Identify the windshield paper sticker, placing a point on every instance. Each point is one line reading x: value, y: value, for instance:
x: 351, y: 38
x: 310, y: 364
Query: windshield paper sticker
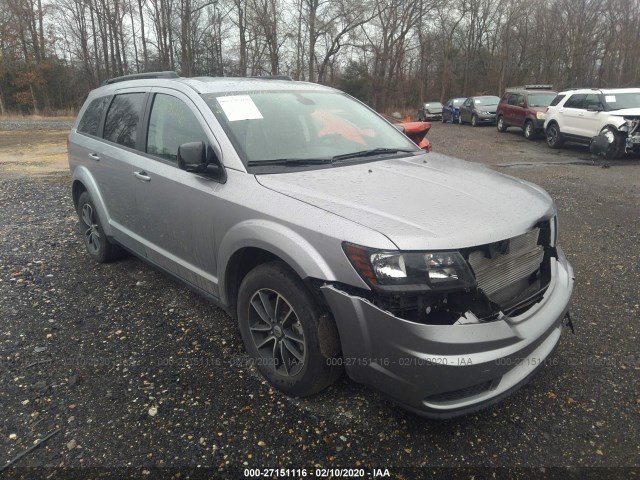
x: 239, y: 107
x: 610, y: 98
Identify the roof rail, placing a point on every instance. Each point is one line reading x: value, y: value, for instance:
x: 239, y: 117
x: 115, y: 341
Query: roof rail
x: 538, y: 87
x: 272, y: 77
x: 141, y: 76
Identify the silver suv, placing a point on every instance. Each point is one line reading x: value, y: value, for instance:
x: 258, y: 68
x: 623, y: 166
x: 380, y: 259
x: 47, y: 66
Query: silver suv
x: 333, y: 239
x: 581, y: 114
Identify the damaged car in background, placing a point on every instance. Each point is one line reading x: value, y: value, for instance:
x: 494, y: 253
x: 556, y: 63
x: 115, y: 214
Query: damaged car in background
x: 334, y: 240
x: 579, y: 115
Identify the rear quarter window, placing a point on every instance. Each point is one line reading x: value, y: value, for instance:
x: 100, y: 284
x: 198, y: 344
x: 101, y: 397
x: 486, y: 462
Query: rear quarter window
x: 90, y: 121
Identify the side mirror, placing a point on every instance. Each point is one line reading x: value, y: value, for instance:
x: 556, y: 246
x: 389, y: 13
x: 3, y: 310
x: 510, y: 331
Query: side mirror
x: 596, y: 107
x: 195, y: 157
x: 522, y: 105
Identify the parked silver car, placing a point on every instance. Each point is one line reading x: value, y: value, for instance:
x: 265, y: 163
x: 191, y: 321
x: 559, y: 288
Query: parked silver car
x: 332, y: 238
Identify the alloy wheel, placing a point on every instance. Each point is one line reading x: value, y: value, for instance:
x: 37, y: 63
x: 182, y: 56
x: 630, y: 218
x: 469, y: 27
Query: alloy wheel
x: 276, y: 332
x: 91, y: 234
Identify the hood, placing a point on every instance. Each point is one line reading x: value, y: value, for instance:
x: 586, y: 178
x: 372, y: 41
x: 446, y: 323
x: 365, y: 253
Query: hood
x: 430, y: 201
x: 626, y: 112
x: 488, y: 108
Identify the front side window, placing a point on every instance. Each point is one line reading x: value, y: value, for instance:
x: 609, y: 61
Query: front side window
x: 123, y: 117
x: 90, y: 122
x: 541, y: 99
x: 302, y: 126
x: 171, y: 124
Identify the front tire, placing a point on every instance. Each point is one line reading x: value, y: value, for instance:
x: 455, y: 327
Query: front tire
x: 553, y: 136
x: 95, y: 240
x: 474, y: 120
x: 616, y: 143
x: 529, y: 130
x: 501, y: 125
x: 291, y: 340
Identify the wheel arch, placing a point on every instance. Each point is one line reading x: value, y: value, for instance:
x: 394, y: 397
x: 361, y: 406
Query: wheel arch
x: 83, y: 181
x: 252, y: 243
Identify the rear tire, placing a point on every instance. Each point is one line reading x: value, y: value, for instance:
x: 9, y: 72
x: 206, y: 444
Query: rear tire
x: 95, y: 240
x: 291, y: 340
x: 529, y: 130
x: 553, y: 136
x: 500, y: 125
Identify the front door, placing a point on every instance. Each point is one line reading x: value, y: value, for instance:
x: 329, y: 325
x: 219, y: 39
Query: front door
x: 177, y: 208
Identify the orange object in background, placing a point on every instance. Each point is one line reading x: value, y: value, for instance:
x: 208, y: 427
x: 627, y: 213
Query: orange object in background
x: 417, y: 131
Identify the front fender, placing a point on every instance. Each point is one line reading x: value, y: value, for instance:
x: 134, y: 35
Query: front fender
x: 81, y: 174
x: 277, y: 239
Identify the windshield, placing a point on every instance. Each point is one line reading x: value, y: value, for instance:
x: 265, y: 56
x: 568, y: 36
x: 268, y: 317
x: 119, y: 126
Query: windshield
x: 433, y: 105
x: 486, y: 100
x: 541, y: 99
x: 270, y: 126
x: 458, y: 101
x: 618, y: 101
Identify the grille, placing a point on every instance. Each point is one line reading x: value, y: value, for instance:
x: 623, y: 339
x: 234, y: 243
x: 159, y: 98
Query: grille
x: 502, y: 269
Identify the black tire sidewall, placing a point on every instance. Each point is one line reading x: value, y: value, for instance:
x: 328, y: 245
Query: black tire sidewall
x: 317, y: 371
x: 528, y: 126
x: 103, y: 253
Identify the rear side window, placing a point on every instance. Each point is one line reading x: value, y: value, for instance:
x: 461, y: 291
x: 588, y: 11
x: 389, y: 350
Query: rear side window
x: 575, y: 101
x: 90, y: 121
x: 171, y: 124
x: 516, y: 99
x: 556, y: 100
x: 123, y: 117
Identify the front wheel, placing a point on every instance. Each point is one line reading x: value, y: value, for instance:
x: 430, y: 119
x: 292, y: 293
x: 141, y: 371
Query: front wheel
x: 501, y: 125
x: 616, y: 143
x: 474, y: 120
x: 289, y: 338
x: 553, y: 136
x: 529, y: 130
x: 459, y: 119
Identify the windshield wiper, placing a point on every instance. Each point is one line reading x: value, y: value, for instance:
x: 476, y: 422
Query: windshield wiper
x: 287, y: 162
x: 371, y: 153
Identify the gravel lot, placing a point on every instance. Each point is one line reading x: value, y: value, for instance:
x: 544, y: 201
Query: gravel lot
x: 130, y: 369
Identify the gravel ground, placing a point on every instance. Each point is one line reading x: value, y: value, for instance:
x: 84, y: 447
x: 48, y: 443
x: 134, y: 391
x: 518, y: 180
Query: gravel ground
x: 130, y: 369
x: 30, y: 124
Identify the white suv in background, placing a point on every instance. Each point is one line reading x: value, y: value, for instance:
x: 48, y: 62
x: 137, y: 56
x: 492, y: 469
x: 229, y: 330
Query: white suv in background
x: 581, y: 114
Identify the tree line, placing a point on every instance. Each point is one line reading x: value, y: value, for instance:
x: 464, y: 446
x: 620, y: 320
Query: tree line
x: 389, y: 53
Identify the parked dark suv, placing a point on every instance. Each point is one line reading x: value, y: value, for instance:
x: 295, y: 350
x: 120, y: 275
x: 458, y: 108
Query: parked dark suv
x: 524, y: 107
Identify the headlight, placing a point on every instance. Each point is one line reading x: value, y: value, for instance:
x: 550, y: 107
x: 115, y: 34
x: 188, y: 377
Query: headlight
x: 539, y: 115
x: 486, y: 113
x: 413, y: 270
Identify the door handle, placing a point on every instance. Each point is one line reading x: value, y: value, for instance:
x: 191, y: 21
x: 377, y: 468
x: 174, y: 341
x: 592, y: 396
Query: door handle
x: 142, y: 176
x: 94, y: 156
x: 581, y: 114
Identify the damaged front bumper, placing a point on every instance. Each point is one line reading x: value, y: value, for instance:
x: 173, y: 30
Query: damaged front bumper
x: 443, y: 371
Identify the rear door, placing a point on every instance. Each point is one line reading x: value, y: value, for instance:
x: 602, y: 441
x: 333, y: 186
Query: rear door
x: 571, y: 114
x: 466, y: 109
x: 518, y: 112
x: 113, y: 168
x: 177, y: 209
